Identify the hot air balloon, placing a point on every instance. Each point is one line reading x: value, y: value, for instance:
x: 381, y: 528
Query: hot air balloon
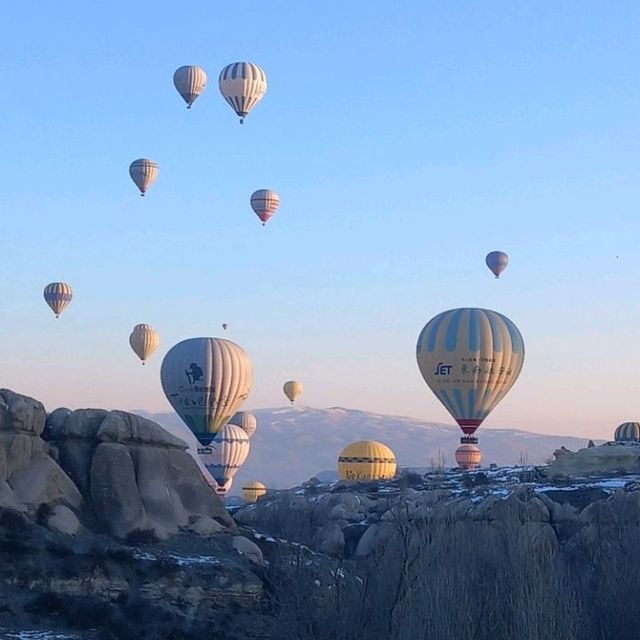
x: 468, y: 456
x: 144, y: 173
x: 628, y: 432
x: 246, y: 421
x: 253, y: 491
x: 225, y: 454
x: 293, y: 390
x: 497, y: 261
x: 242, y: 85
x: 265, y: 203
x: 190, y: 81
x: 144, y: 341
x: 224, y: 325
x: 206, y: 380
x: 58, y: 295
x: 367, y: 460
x: 470, y: 358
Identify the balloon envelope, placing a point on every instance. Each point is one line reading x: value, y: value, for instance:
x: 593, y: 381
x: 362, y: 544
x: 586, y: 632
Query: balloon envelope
x: 470, y: 358
x: 246, y: 421
x: 265, y: 203
x: 468, y: 456
x: 58, y: 295
x: 242, y: 85
x: 292, y: 389
x: 190, y: 81
x: 628, y: 432
x: 144, y: 173
x: 144, y: 341
x: 226, y: 453
x: 206, y: 380
x: 253, y: 491
x: 367, y: 460
x: 497, y: 261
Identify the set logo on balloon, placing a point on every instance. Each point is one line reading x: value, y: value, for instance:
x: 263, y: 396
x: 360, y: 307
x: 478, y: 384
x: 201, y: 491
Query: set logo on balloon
x: 443, y: 369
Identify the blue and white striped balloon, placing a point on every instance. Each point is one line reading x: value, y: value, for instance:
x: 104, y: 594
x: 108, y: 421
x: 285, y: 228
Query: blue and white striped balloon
x: 628, y: 432
x: 58, y: 295
x: 243, y: 84
x: 470, y: 358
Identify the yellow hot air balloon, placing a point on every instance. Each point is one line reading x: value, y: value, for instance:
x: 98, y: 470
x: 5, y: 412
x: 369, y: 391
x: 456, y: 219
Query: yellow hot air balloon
x: 293, y: 390
x: 144, y: 341
x: 58, y: 295
x: 144, y: 173
x: 367, y: 460
x: 253, y: 491
x: 470, y: 358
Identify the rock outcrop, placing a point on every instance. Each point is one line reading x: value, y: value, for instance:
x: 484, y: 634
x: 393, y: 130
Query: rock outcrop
x: 134, y: 475
x: 607, y: 459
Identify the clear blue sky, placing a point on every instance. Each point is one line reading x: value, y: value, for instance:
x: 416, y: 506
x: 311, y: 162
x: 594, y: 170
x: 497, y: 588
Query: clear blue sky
x: 406, y: 139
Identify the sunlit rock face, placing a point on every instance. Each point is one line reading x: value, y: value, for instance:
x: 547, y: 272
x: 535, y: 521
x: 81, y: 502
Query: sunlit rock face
x: 29, y: 476
x: 133, y: 473
x: 607, y: 459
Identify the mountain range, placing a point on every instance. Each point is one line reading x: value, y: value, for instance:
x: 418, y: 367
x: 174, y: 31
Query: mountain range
x: 294, y: 444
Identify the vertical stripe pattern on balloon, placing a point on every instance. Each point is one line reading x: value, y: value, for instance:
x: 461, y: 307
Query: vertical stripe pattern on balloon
x: 470, y: 358
x: 58, y: 295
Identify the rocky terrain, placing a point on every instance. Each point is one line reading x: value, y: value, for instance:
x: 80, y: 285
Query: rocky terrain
x: 108, y: 529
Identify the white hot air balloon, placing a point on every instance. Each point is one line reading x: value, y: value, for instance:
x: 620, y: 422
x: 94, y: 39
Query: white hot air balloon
x: 265, y: 203
x: 206, y: 380
x: 144, y: 341
x: 144, y: 173
x: 226, y: 453
x: 245, y: 420
x: 190, y: 81
x: 292, y: 389
x: 242, y: 85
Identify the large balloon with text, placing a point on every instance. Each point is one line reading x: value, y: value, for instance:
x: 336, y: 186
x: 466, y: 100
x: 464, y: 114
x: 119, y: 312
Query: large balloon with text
x: 470, y: 358
x: 206, y: 380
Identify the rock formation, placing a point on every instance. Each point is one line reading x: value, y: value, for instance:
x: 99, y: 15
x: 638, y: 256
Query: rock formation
x: 607, y: 459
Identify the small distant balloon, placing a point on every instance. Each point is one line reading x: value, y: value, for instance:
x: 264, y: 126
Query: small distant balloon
x: 190, y: 81
x: 58, y: 295
x: 144, y: 173
x: 225, y: 326
x: 144, y: 341
x: 468, y: 456
x: 293, y: 390
x: 497, y: 261
x: 253, y: 491
x: 246, y: 421
x: 265, y: 203
x: 242, y: 85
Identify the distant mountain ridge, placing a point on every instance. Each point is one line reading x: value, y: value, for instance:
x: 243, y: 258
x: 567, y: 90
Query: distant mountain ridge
x: 293, y: 444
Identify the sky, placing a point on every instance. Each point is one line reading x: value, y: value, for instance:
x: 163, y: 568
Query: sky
x: 406, y: 140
